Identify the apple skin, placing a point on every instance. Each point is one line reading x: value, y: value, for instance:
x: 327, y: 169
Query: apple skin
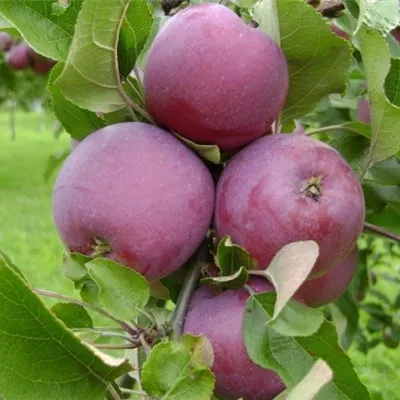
x: 18, y: 57
x: 213, y: 79
x: 330, y: 286
x: 6, y: 41
x: 219, y: 316
x: 139, y: 189
x: 261, y: 203
x: 339, y: 32
x: 363, y: 111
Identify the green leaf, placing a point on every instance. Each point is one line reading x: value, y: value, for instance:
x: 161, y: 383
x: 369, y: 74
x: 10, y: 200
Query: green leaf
x: 385, y: 118
x: 230, y: 257
x: 318, y: 60
x: 234, y: 281
x: 74, y: 269
x: 295, y: 319
x: 319, y: 375
x: 72, y: 315
x: 388, y: 219
x: 209, y: 152
x: 265, y: 13
x: 95, y: 40
x: 352, y: 7
x: 392, y: 82
x: 289, y: 269
x: 345, y: 317
x: 135, y: 30
x: 78, y: 122
x: 54, y: 162
x: 123, y: 292
x: 40, y: 357
x: 380, y: 15
x: 180, y: 370
x: 6, y: 261
x: 387, y: 194
x: 293, y: 357
x: 49, y: 34
x: 386, y: 172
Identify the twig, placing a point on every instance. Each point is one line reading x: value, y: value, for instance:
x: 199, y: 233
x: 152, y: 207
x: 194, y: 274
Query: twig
x: 188, y: 288
x: 381, y: 231
x: 117, y: 346
x: 120, y: 88
x: 114, y: 394
x: 92, y: 307
x: 331, y: 8
x: 143, y: 342
x: 134, y: 392
x: 330, y: 128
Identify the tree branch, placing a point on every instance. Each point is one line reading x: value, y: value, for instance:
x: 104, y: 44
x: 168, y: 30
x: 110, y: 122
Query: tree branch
x: 381, y: 231
x: 328, y: 8
x: 188, y: 288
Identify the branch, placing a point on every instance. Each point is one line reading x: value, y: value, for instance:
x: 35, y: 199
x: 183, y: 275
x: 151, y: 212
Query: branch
x: 188, y: 288
x: 330, y: 8
x: 381, y: 231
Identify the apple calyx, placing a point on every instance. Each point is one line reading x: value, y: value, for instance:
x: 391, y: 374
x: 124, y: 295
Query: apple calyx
x: 312, y: 187
x: 100, y: 248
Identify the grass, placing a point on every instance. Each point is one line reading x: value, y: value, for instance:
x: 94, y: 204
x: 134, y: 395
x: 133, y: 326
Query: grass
x: 28, y: 235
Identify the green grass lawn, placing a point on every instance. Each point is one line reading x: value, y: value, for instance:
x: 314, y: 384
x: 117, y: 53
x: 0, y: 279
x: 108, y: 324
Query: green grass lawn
x: 28, y: 235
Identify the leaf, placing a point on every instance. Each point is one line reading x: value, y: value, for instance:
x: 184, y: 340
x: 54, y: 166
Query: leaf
x: 353, y: 7
x: 40, y: 357
x: 5, y: 260
x: 289, y: 269
x: 385, y: 118
x: 386, y: 172
x: 318, y: 60
x: 95, y: 41
x: 387, y: 194
x: 234, y: 281
x: 293, y: 357
x: 54, y: 162
x: 319, y: 375
x: 49, y: 34
x: 72, y: 315
x: 78, y: 122
x: 265, y: 13
x: 295, y: 319
x: 345, y: 317
x: 209, y: 152
x: 231, y: 257
x: 392, y: 82
x: 135, y: 30
x: 123, y: 292
x: 380, y: 15
x: 180, y: 370
x: 74, y: 269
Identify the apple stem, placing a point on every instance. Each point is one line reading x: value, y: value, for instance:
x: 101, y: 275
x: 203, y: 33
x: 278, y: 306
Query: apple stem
x: 188, y: 288
x: 113, y: 393
x: 381, y: 231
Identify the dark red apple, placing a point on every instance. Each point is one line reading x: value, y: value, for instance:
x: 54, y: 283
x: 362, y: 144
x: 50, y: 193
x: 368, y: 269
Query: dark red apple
x: 287, y: 188
x: 18, y: 57
x: 219, y: 316
x: 6, y: 41
x: 330, y: 286
x: 214, y: 79
x: 136, y: 194
x: 363, y: 111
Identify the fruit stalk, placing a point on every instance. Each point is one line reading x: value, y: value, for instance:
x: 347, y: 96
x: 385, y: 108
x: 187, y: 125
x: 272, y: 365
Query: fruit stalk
x: 188, y: 288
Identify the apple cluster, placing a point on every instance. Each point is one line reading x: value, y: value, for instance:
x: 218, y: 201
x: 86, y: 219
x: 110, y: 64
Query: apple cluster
x: 21, y: 56
x: 135, y: 193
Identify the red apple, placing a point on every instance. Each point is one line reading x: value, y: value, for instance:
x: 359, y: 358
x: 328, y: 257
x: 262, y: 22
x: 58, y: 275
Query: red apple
x: 136, y: 193
x: 213, y: 79
x: 287, y: 188
x: 219, y: 316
